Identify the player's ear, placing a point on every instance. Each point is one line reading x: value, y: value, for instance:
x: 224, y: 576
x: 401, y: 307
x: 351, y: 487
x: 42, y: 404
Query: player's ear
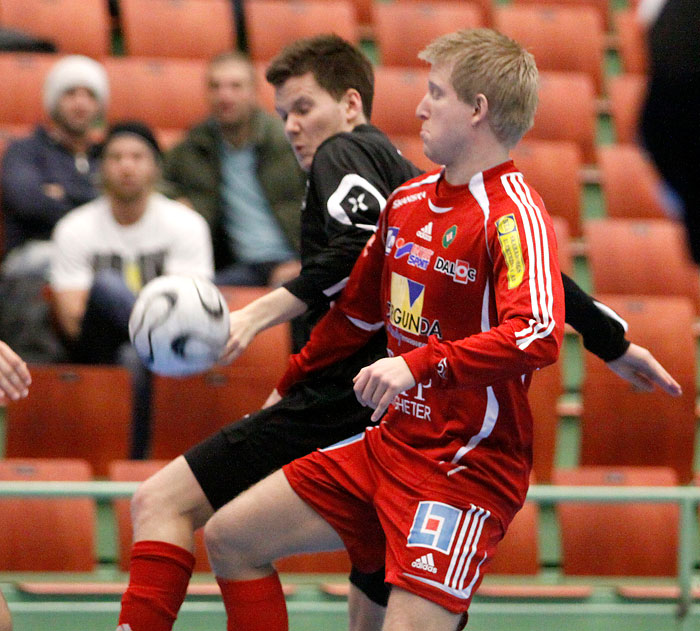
x: 481, y: 108
x: 353, y: 105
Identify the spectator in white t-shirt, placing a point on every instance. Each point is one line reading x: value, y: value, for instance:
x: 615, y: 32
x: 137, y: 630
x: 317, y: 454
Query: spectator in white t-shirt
x: 107, y: 249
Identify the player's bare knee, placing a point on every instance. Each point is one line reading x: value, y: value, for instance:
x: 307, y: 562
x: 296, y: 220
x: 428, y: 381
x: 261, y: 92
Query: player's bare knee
x: 222, y: 541
x: 150, y: 502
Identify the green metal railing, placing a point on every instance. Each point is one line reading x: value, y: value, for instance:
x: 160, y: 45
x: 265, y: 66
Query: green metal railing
x: 687, y: 498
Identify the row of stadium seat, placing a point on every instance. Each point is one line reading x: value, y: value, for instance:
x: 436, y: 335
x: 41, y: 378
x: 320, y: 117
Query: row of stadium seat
x: 631, y: 539
x: 567, y: 33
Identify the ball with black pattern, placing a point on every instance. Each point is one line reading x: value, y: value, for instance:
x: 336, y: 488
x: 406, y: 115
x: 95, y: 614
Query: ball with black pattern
x: 179, y: 325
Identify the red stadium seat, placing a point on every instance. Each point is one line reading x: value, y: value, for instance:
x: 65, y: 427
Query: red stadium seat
x: 621, y: 426
x: 72, y: 412
x: 564, y: 39
x: 618, y: 539
x: 566, y: 111
x: 403, y: 29
x: 553, y: 169
x: 626, y: 97
x: 641, y: 256
x: 397, y: 94
x: 272, y: 24
x: 631, y: 42
x: 22, y: 76
x: 73, y: 26
x: 42, y: 534
x: 602, y: 7
x: 185, y: 411
x: 193, y: 29
x: 137, y: 471
x: 160, y: 92
x: 620, y: 165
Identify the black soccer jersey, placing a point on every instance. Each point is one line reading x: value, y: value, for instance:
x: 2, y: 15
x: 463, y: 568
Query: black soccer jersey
x: 351, y: 176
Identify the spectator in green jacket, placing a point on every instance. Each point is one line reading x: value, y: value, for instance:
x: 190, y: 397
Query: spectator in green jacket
x: 237, y: 169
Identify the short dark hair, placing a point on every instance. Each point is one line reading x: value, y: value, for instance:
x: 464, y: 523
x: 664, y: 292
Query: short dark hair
x: 336, y: 65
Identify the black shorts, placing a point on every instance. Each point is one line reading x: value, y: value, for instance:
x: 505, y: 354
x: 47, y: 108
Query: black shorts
x: 314, y: 414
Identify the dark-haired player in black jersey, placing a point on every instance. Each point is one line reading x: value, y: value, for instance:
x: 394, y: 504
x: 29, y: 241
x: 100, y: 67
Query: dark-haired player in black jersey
x: 323, y: 92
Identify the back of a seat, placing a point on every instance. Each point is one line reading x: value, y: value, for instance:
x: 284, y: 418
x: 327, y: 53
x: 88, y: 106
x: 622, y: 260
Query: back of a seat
x: 403, y: 29
x: 564, y: 39
x: 73, y: 411
x: 22, y: 76
x: 398, y: 91
x: 621, y: 425
x: 618, y: 539
x: 272, y: 24
x: 195, y: 29
x: 73, y: 26
x: 47, y: 534
x: 566, y: 111
x: 626, y: 94
x: 641, y: 256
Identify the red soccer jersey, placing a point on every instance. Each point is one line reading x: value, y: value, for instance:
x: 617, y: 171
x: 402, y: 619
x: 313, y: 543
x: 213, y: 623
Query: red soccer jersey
x: 471, y: 297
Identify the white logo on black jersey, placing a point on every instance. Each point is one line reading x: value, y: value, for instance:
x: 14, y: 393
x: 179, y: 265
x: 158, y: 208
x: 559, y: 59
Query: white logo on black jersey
x: 356, y: 202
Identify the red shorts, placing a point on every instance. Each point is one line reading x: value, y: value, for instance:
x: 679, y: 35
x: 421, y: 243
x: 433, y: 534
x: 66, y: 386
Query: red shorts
x: 431, y: 545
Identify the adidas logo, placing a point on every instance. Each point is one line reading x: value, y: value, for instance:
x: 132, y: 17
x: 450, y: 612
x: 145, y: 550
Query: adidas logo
x: 426, y: 232
x: 426, y: 562
x: 124, y: 627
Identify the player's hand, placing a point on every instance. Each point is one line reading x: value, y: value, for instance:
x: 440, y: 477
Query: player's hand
x: 241, y: 331
x: 641, y: 369
x: 272, y: 399
x: 14, y: 374
x: 377, y: 385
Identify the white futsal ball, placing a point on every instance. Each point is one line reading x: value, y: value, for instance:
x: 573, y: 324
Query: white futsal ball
x: 179, y: 325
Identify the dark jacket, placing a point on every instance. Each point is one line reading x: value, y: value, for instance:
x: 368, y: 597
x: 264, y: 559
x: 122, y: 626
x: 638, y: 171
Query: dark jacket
x: 28, y: 165
x: 192, y: 169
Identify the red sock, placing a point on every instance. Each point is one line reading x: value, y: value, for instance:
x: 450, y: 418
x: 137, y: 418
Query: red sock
x: 255, y: 605
x: 159, y: 574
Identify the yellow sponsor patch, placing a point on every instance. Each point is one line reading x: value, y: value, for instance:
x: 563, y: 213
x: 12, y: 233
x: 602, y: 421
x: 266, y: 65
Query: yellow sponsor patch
x: 509, y: 239
x: 132, y: 276
x: 406, y: 306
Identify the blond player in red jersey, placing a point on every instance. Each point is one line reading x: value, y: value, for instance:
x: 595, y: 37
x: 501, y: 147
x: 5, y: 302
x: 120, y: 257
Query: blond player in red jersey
x: 463, y: 275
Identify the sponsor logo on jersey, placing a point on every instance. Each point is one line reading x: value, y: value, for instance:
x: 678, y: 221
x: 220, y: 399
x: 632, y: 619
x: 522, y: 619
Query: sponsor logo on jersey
x: 425, y: 562
x: 356, y: 202
x: 414, y: 404
x: 420, y: 256
x: 407, y: 199
x: 509, y: 239
x: 402, y: 248
x: 391, y: 234
x: 460, y: 271
x: 406, y: 307
x: 434, y: 526
x: 426, y: 232
x: 449, y: 236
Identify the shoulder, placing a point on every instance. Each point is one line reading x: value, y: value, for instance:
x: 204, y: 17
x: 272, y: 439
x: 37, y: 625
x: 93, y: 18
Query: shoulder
x: 81, y: 220
x: 202, y: 136
x: 509, y: 191
x: 176, y: 214
x: 36, y: 141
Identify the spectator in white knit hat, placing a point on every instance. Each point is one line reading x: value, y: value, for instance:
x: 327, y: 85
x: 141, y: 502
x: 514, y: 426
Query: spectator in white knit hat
x: 43, y: 177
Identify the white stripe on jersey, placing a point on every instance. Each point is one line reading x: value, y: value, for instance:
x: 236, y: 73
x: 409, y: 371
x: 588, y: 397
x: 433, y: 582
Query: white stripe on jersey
x: 539, y: 276
x: 489, y: 422
x: 478, y: 190
x: 426, y: 180
x: 365, y: 326
x: 334, y: 289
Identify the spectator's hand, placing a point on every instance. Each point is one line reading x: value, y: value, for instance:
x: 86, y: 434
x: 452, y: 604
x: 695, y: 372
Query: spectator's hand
x: 272, y: 399
x: 640, y: 368
x: 284, y: 272
x: 14, y: 375
x: 241, y: 331
x: 377, y: 385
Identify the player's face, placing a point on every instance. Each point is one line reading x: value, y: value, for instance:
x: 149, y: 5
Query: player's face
x: 310, y: 115
x: 445, y: 131
x: 231, y: 92
x: 129, y: 168
x: 76, y: 111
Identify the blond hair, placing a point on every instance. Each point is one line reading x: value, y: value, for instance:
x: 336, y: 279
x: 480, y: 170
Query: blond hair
x: 489, y: 63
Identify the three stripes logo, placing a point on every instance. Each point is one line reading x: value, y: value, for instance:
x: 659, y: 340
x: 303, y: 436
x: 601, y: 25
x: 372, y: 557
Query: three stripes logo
x: 426, y: 562
x: 426, y: 232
